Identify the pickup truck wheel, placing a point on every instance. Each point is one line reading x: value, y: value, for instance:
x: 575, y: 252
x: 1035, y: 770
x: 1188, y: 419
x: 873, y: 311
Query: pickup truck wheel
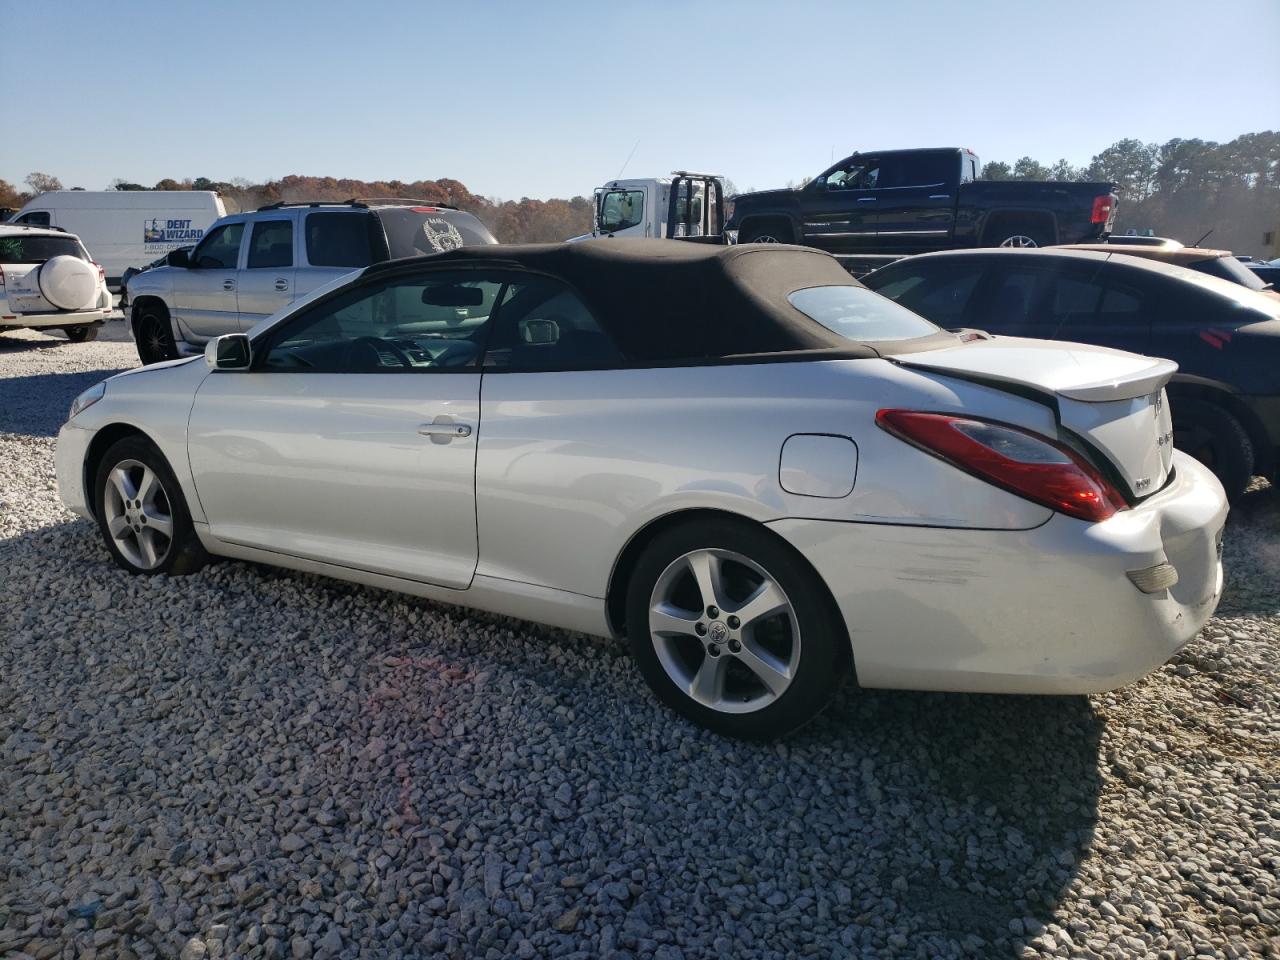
x: 766, y: 233
x: 153, y: 335
x: 1217, y: 439
x: 1021, y: 235
x: 81, y: 332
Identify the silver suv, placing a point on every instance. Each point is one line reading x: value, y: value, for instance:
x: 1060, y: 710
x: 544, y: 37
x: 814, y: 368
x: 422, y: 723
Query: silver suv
x: 249, y: 265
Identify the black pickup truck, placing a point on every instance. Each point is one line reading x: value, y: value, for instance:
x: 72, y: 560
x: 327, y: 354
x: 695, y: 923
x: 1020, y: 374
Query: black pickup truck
x: 911, y: 201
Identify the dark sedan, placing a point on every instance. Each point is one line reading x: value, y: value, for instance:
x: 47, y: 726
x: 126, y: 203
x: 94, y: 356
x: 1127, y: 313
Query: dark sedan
x: 1225, y: 398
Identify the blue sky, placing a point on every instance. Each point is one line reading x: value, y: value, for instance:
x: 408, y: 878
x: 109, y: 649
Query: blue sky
x: 548, y: 99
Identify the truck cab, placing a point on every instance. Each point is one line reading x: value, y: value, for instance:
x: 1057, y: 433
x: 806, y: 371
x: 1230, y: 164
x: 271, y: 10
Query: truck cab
x: 683, y: 206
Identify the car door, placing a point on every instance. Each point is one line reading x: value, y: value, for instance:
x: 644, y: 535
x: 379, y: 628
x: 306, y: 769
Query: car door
x: 265, y: 283
x: 837, y: 210
x: 351, y: 440
x: 915, y: 204
x: 1098, y: 303
x: 204, y: 295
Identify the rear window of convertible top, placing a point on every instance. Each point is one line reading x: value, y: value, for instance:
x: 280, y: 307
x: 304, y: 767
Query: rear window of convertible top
x: 860, y: 315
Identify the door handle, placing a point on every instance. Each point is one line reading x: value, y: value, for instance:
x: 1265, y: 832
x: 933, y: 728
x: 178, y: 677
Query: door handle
x: 446, y: 430
x: 939, y: 196
x: 866, y: 199
x: 282, y: 284
x: 228, y: 284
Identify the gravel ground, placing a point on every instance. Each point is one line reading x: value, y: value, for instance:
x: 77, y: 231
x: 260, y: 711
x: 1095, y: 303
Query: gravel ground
x: 254, y: 763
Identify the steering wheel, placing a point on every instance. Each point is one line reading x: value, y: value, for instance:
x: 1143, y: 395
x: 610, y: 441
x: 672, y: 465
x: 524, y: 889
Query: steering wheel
x: 378, y: 345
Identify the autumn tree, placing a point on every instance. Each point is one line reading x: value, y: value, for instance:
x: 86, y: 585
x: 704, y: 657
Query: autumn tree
x: 11, y: 197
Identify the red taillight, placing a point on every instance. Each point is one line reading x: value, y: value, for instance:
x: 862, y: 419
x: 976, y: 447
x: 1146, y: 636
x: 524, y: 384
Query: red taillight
x: 102, y: 274
x: 1017, y: 460
x: 1, y: 276
x: 1102, y: 207
x: 424, y: 209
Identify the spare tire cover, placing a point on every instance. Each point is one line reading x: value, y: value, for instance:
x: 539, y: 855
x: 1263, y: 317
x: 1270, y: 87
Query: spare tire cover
x: 68, y: 282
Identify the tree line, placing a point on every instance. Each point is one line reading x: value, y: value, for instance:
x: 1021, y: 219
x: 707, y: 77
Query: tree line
x: 1180, y: 189
x: 512, y: 221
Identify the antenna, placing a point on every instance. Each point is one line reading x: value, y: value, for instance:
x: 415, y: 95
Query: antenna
x: 628, y: 160
x: 1205, y: 237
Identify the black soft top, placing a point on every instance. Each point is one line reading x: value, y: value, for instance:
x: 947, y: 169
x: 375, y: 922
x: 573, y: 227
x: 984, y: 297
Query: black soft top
x: 677, y: 301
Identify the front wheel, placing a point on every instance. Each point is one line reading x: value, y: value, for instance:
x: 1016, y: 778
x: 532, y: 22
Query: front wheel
x: 731, y: 629
x: 153, y: 334
x: 141, y: 511
x: 81, y: 332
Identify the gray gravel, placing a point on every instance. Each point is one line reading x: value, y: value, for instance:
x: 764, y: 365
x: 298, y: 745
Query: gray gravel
x: 254, y: 763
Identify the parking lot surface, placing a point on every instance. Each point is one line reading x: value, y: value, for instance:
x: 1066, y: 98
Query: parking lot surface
x: 256, y: 763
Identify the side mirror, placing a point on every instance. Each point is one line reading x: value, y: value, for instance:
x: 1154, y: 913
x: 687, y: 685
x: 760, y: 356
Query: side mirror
x: 228, y: 352
x: 178, y: 258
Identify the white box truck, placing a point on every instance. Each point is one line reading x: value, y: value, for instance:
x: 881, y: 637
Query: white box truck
x: 126, y: 228
x: 682, y: 206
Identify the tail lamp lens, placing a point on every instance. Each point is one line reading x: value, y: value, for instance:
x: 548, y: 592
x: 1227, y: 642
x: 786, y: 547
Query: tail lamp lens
x: 1101, y: 209
x: 1024, y: 463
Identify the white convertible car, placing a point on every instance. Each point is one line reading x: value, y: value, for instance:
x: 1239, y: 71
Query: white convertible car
x: 762, y: 474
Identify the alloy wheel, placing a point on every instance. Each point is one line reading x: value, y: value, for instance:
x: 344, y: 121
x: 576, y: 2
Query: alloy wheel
x: 153, y: 335
x: 724, y: 630
x: 138, y: 514
x: 1019, y: 240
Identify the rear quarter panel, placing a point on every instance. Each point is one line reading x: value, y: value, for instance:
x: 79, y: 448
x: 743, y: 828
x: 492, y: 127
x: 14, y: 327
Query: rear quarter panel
x: 1069, y: 204
x: 570, y: 466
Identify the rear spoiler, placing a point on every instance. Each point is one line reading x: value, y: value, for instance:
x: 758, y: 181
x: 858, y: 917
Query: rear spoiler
x: 1127, y: 388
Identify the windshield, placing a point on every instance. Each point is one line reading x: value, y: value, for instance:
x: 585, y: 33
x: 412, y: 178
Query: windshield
x: 860, y: 315
x: 621, y: 209
x: 38, y: 249
x: 1229, y: 268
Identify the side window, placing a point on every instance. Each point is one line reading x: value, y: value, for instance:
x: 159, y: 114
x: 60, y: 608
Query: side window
x: 1075, y: 301
x: 220, y: 249
x: 36, y: 218
x: 860, y: 174
x: 620, y: 209
x: 424, y: 323
x: 271, y: 244
x: 939, y: 294
x: 1122, y: 304
x: 928, y: 169
x: 338, y: 240
x: 542, y: 325
x: 1009, y: 304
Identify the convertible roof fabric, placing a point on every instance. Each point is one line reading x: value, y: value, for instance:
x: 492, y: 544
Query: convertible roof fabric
x: 676, y: 301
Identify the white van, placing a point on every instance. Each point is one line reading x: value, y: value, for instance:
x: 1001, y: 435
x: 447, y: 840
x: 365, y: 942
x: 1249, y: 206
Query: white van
x: 126, y: 228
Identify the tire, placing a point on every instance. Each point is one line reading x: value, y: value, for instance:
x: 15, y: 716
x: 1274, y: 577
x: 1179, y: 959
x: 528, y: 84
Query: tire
x: 1013, y: 234
x: 153, y: 334
x: 756, y: 680
x: 160, y: 518
x: 767, y: 232
x: 81, y: 332
x: 1215, y: 438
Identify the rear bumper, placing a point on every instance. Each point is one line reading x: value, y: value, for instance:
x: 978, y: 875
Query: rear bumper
x: 39, y: 320
x: 1047, y: 610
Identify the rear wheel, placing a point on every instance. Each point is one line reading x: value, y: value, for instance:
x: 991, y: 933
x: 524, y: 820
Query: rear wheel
x: 1215, y: 438
x: 141, y: 511
x: 1018, y: 234
x: 731, y: 629
x: 81, y: 333
x: 767, y: 232
x: 153, y: 334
